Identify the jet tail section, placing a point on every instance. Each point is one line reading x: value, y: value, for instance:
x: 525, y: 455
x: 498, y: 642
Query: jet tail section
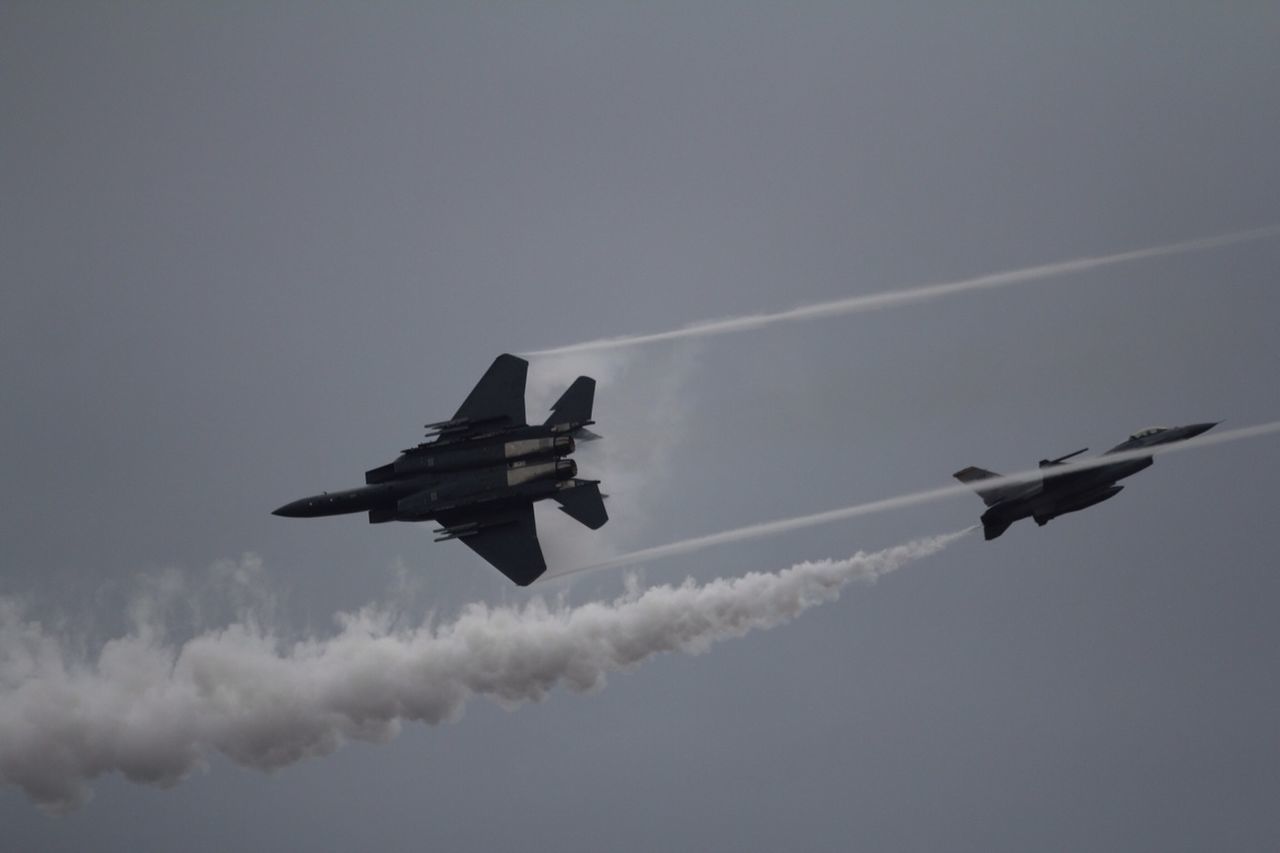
x: 991, y: 528
x: 990, y: 495
x: 584, y: 503
x: 573, y: 409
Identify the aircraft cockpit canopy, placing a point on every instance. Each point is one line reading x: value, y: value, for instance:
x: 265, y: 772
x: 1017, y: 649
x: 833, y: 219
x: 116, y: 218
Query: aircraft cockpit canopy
x: 1143, y: 433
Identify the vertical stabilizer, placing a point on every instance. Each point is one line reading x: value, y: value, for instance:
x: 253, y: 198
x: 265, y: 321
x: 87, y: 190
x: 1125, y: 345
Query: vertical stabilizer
x: 991, y: 528
x: 573, y: 409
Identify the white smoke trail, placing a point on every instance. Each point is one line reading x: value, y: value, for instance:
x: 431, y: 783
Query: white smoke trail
x: 153, y: 710
x: 891, y: 298
x: 784, y: 525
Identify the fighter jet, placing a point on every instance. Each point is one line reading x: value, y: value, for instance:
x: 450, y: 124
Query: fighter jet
x: 1061, y: 487
x: 480, y: 472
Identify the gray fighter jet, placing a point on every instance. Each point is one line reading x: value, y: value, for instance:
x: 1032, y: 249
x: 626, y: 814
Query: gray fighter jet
x: 480, y: 473
x: 1061, y: 487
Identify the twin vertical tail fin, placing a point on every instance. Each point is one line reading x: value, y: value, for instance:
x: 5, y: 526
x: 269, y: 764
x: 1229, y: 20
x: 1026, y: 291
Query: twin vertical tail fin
x: 579, y: 499
x: 573, y: 410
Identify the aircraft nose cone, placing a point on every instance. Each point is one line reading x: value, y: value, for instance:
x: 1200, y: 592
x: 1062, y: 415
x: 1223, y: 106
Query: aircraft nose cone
x: 290, y: 510
x: 1197, y: 429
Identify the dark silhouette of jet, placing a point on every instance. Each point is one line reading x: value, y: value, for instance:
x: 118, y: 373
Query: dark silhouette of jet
x: 1062, y: 487
x: 481, y: 472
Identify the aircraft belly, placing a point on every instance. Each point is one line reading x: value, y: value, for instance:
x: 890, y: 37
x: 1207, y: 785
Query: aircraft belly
x: 1076, y: 502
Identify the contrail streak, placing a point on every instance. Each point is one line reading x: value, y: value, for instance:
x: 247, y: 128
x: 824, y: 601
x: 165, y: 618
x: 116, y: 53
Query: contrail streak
x: 153, y: 711
x: 785, y: 525
x: 891, y: 298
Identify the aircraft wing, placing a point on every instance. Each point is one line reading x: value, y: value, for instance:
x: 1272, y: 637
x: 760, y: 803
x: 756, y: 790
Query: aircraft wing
x: 499, y: 395
x: 507, y: 538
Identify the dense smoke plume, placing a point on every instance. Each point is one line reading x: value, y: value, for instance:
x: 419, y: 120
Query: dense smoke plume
x: 153, y: 709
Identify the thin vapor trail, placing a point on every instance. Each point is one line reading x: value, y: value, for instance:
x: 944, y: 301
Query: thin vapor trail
x: 154, y: 711
x: 891, y: 298
x: 785, y: 525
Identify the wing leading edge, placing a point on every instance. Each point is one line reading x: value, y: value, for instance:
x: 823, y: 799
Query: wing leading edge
x: 507, y: 539
x: 499, y: 395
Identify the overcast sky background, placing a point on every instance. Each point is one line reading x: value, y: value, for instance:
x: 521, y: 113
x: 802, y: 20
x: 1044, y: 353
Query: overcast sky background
x: 248, y: 250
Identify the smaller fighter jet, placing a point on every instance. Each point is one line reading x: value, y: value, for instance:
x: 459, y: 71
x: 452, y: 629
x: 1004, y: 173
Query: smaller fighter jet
x: 1061, y: 487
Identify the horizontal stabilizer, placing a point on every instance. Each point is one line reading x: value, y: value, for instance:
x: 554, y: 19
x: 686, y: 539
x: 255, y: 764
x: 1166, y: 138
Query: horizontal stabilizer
x: 972, y: 476
x: 584, y: 503
x: 574, y: 406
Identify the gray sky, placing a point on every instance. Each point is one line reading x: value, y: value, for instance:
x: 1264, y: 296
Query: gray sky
x: 248, y: 250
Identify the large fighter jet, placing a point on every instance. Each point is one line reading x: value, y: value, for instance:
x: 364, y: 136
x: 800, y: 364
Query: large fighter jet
x: 1063, y: 488
x: 480, y: 472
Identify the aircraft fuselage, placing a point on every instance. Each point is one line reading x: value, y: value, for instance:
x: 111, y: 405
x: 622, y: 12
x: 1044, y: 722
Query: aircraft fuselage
x: 420, y: 498
x: 1064, y: 488
x: 1056, y: 496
